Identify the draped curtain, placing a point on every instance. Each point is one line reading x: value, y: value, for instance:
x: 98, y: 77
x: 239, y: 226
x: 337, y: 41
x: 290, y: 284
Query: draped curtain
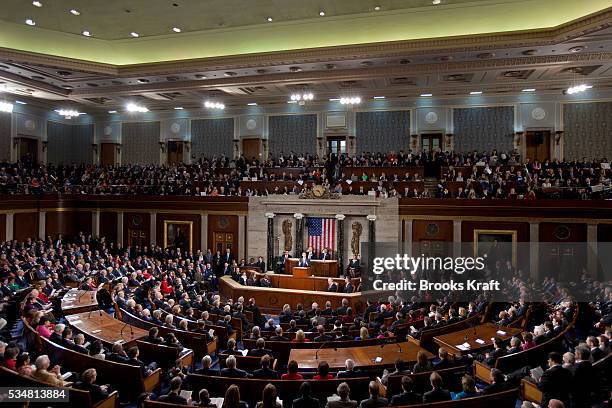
x: 588, y: 130
x: 69, y: 144
x: 140, y: 143
x: 382, y: 131
x: 5, y: 137
x: 212, y: 137
x: 292, y: 133
x: 483, y: 129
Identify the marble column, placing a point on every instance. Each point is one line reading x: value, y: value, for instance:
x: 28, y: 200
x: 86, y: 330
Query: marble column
x: 340, y: 220
x: 204, y: 232
x: 407, y: 245
x: 120, y: 227
x: 10, y: 226
x: 270, y: 240
x: 153, y: 229
x: 592, y: 253
x: 457, y: 238
x: 241, y: 235
x: 371, y: 240
x: 95, y: 223
x: 534, y: 249
x: 42, y: 224
x: 299, y: 234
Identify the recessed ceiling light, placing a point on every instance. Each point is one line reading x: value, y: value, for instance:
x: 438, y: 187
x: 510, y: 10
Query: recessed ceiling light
x: 178, y: 108
x: 86, y: 33
x: 475, y: 92
x: 377, y: 8
x: 30, y: 22
x: 334, y: 99
x: 529, y: 90
x: 322, y: 13
x: 252, y: 104
x: 270, y: 19
x: 75, y: 12
x: 291, y: 101
x: 37, y: 3
x: 426, y: 94
x: 112, y: 111
x: 176, y: 29
x: 379, y: 97
x: 21, y: 102
x: 436, y: 2
x: 134, y: 34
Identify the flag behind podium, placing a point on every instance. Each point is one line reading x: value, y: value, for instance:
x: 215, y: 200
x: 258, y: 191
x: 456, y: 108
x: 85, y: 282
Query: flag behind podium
x: 322, y: 233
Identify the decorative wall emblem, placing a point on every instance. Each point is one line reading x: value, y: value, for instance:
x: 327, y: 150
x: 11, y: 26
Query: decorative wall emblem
x: 30, y: 124
x: 432, y: 229
x: 431, y: 117
x: 175, y: 127
x: 223, y: 223
x: 251, y: 124
x: 108, y: 130
x: 538, y: 113
x: 562, y: 232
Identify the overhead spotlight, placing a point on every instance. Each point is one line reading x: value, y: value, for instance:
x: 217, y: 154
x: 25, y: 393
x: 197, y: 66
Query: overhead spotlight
x: 86, y: 33
x: 178, y: 108
x: 68, y: 113
x: 37, y: 3
x: 112, y: 111
x: 307, y: 96
x: 132, y: 107
x: 476, y: 93
x: 75, y: 12
x: 252, y: 104
x: 436, y: 2
x: 270, y: 19
x: 134, y: 34
x: 379, y: 97
x: 214, y: 105
x: 6, y: 107
x: 30, y: 22
x: 334, y: 99
x: 426, y: 95
x: 176, y: 29
x: 322, y: 13
x: 377, y: 8
x: 529, y: 90
x: 21, y: 102
x: 354, y: 100
x: 578, y: 88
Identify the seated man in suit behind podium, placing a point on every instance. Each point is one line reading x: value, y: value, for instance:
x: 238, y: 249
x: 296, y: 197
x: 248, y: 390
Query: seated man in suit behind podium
x: 325, y: 255
x: 331, y: 285
x: 280, y: 263
x: 303, y: 262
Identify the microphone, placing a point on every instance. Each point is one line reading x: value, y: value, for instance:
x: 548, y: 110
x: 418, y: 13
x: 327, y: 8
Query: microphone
x: 131, y: 329
x: 319, y: 349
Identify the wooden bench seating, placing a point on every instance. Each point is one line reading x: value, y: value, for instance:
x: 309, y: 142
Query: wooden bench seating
x: 427, y: 336
x: 504, y: 399
x: 451, y: 378
x: 248, y: 363
x: 128, y: 379
x: 165, y: 356
x: 78, y: 398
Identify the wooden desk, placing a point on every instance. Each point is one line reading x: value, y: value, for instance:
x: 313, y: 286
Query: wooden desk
x: 363, y: 356
x: 327, y: 268
x: 109, y: 328
x: 290, y: 263
x: 483, y: 332
x: 300, y: 271
x: 79, y: 301
x: 273, y: 299
x: 305, y: 283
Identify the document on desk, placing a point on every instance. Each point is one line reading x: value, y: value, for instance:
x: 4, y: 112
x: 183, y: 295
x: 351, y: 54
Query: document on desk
x: 480, y: 341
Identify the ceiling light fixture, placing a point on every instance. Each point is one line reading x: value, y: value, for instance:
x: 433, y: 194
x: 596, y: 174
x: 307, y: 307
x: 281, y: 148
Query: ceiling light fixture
x: 112, y: 111
x: 353, y: 100
x: 86, y: 33
x: 178, y: 108
x: 377, y: 8
x: 30, y: 22
x: 529, y: 90
x: 334, y: 99
x: 476, y: 93
x: 252, y: 104
x: 132, y: 107
x: 134, y: 34
x: 37, y: 3
x: 176, y: 29
x: 578, y: 88
x: 21, y: 102
x: 436, y: 2
x: 322, y: 13
x: 426, y: 95
x: 68, y: 113
x: 270, y: 19
x: 6, y: 107
x: 75, y: 12
x: 379, y: 97
x: 214, y: 105
x: 302, y: 98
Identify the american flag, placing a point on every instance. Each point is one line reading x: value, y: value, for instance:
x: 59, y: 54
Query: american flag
x: 321, y: 233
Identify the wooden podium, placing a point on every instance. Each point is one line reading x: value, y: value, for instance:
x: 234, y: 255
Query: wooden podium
x: 301, y: 272
x: 291, y: 263
x: 328, y: 269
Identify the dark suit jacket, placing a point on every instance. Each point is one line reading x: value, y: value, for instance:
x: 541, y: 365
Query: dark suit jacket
x: 265, y: 373
x: 584, y: 379
x: 374, y: 403
x: 406, y: 398
x: 96, y: 393
x: 259, y: 352
x: 306, y: 402
x: 436, y: 395
x: 207, y: 371
x: 234, y: 373
x: 556, y: 383
x: 172, y: 398
x: 350, y: 374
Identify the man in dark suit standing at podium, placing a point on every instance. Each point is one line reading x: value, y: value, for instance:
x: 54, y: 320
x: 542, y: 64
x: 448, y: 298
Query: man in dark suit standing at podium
x: 325, y: 255
x: 303, y: 262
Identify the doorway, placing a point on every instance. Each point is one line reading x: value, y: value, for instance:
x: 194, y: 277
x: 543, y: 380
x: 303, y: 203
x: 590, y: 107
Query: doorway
x: 175, y: 152
x: 431, y: 142
x: 108, y: 154
x: 537, y: 145
x: 223, y: 240
x: 251, y: 148
x: 137, y: 237
x: 336, y: 145
x: 28, y: 150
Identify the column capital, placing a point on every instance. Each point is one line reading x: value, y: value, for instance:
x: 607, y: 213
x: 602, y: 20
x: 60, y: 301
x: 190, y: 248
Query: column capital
x: 371, y: 217
x: 298, y: 216
x: 269, y: 215
x: 340, y: 217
